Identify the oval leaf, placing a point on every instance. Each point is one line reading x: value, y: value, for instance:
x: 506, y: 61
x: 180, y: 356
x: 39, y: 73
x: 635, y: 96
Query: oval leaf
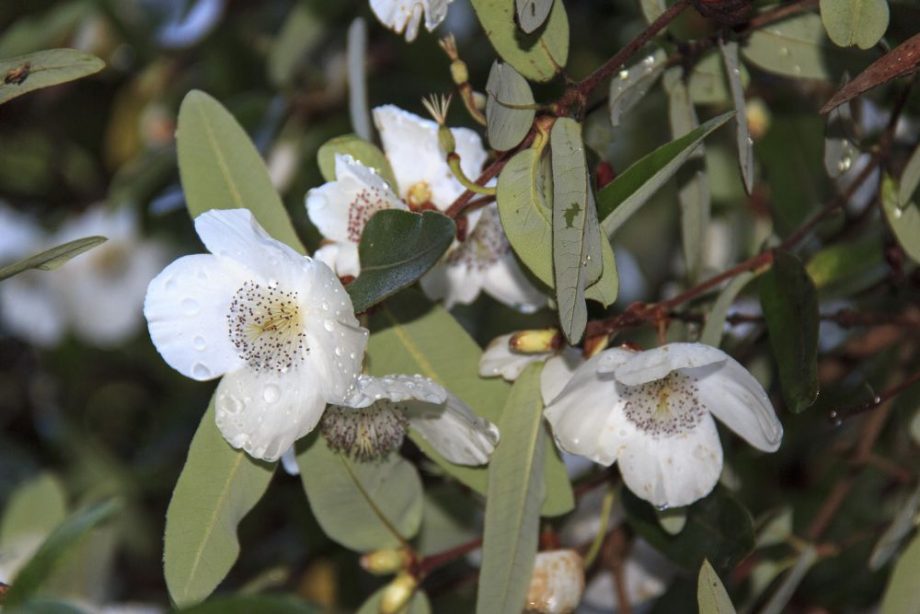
x: 218, y: 486
x: 901, y: 593
x: 707, y: 82
x: 417, y: 605
x: 855, y: 22
x: 538, y: 56
x: 363, y: 506
x: 35, y: 507
x: 631, y: 85
x: 910, y: 178
x: 27, y: 73
x: 245, y: 604
x: 366, y: 153
x: 508, y: 122
x: 903, y: 218
x: 512, y: 518
x: 53, y: 258
x: 397, y: 247
x: 742, y: 136
x: 57, y: 545
x: 790, y: 307
x: 221, y: 169
x: 577, y: 258
x: 711, y: 595
x: 532, y: 13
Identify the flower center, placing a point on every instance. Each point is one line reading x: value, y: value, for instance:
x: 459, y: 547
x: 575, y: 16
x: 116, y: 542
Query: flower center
x: 266, y: 327
x: 665, y: 407
x: 484, y: 246
x: 419, y: 193
x: 367, y: 202
x: 365, y: 434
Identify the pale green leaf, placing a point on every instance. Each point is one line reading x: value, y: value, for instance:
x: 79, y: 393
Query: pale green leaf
x: 33, y: 71
x: 55, y: 547
x: 538, y: 56
x: 34, y: 508
x: 361, y: 505
x: 364, y: 152
x: 652, y: 9
x: 509, y: 107
x: 247, y: 604
x: 901, y: 593
x: 672, y: 520
x: 793, y: 578
x: 777, y: 529
x: 629, y: 87
x: 53, y: 258
x: 855, y: 22
x: 417, y: 605
x: 218, y: 486
x: 532, y: 13
x: 910, y: 178
x: 577, y: 257
x: 606, y: 289
x: 447, y: 519
x: 301, y: 32
x: 903, y: 218
x: 513, y: 504
x: 904, y: 521
x: 715, y: 321
x: 845, y: 268
x: 708, y: 83
x: 742, y: 135
x: 632, y: 188
x: 221, y: 169
x: 356, y: 52
x: 711, y: 595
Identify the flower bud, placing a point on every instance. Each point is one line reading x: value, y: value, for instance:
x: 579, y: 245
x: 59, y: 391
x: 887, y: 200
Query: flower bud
x: 398, y: 593
x: 557, y: 583
x: 459, y: 72
x: 535, y: 341
x: 758, y: 118
x: 380, y: 562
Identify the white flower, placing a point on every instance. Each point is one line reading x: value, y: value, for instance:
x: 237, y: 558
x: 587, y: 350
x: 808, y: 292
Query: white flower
x: 372, y: 420
x: 650, y: 411
x: 279, y: 326
x: 500, y: 359
x: 99, y: 294
x: 399, y: 15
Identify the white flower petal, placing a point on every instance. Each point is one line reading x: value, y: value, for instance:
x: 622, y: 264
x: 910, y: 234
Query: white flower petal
x: 611, y: 360
x: 498, y: 359
x: 405, y: 15
x: 457, y: 433
x: 186, y: 309
x: 33, y: 310
x: 265, y: 412
x: 650, y: 365
x: 289, y: 462
x: 452, y: 283
x: 670, y: 471
x: 736, y: 398
x: 411, y: 146
x: 341, y: 208
x: 583, y: 415
x: 340, y: 257
x: 396, y: 388
x: 557, y: 373
x: 506, y: 282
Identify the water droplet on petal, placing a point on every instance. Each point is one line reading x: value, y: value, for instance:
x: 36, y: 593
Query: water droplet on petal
x: 190, y: 306
x: 199, y: 343
x: 200, y: 371
x: 170, y: 283
x: 271, y: 393
x: 329, y: 325
x: 624, y: 74
x: 338, y: 351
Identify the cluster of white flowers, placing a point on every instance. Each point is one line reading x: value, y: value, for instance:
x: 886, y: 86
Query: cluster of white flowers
x: 341, y: 208
x: 98, y: 295
x: 281, y: 330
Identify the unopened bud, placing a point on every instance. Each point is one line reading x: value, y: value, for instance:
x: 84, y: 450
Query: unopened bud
x: 535, y: 341
x: 459, y: 72
x: 557, y: 583
x: 397, y: 593
x: 758, y: 118
x: 381, y: 562
x: 479, y: 99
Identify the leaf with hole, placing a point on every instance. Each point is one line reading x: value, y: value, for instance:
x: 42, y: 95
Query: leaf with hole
x: 531, y: 14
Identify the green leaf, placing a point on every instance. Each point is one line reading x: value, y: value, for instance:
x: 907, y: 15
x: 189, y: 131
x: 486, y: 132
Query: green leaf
x: 718, y: 528
x: 27, y: 73
x: 711, y: 595
x: 903, y: 523
x: 577, y: 258
x: 846, y: 268
x: 708, y: 83
x: 366, y: 153
x: 855, y: 22
x: 715, y: 321
x: 301, y: 32
x: 413, y: 336
x: 418, y: 605
x: 245, y: 604
x: 901, y: 593
x: 605, y: 289
x: 509, y: 107
x: 797, y: 47
x: 512, y: 518
x: 742, y: 136
x: 525, y: 213
x: 397, y: 248
x: 692, y: 180
x: 910, y: 178
x: 623, y: 196
x: 53, y: 258
x: 221, y: 169
x: 447, y: 519
x: 629, y: 87
x: 363, y: 506
x: 38, y: 29
x: 790, y: 307
x: 218, y: 486
x: 57, y: 545
x: 903, y: 218
x: 532, y: 13
x: 538, y: 56
x: 35, y: 507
